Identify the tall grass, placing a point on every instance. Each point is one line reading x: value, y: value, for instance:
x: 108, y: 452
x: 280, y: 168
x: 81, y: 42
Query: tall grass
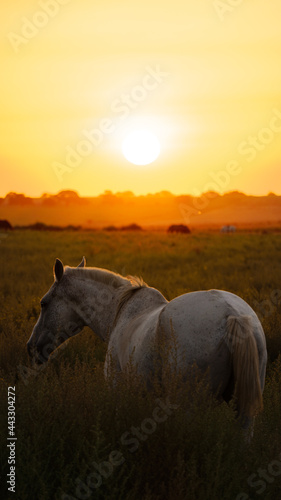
x: 70, y: 421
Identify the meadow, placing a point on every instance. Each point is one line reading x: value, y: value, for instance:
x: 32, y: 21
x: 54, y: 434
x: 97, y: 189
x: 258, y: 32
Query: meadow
x: 79, y: 436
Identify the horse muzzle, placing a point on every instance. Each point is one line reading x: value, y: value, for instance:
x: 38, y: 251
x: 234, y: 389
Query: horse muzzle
x: 35, y: 354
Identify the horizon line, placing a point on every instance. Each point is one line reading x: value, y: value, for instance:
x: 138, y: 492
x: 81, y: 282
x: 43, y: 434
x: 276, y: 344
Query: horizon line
x: 120, y: 193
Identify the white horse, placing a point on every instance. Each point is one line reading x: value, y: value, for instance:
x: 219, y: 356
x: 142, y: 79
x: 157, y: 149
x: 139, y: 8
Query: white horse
x: 228, y: 229
x: 215, y: 329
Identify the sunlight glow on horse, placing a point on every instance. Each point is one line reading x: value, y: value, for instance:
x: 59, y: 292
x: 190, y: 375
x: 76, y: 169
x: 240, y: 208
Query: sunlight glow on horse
x: 215, y: 329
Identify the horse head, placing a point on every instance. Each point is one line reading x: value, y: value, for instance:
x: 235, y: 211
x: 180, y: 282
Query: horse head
x: 58, y: 320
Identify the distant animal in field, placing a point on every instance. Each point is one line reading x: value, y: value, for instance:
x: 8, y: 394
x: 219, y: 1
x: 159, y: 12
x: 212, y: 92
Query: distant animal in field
x: 215, y: 329
x: 4, y: 224
x: 228, y: 229
x: 178, y: 228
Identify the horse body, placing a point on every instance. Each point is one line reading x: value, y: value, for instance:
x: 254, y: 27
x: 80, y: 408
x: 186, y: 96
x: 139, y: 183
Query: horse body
x: 228, y: 229
x: 214, y: 329
x: 199, y: 322
x: 199, y: 319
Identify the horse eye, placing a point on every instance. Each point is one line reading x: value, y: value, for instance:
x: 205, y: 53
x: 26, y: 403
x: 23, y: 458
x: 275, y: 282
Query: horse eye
x: 43, y: 304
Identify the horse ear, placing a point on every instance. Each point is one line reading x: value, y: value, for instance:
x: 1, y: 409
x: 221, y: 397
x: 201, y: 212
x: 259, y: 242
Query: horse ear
x: 58, y: 270
x: 82, y: 263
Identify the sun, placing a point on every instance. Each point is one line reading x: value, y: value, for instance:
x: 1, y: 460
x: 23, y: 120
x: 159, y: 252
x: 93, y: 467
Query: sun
x: 141, y: 147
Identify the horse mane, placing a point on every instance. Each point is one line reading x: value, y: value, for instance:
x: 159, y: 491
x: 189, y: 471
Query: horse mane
x: 126, y: 286
x: 127, y: 292
x: 98, y: 274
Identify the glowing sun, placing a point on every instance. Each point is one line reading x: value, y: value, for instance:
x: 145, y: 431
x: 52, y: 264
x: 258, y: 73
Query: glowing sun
x: 141, y: 147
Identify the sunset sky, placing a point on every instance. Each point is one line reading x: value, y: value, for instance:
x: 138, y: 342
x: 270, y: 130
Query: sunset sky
x: 77, y: 77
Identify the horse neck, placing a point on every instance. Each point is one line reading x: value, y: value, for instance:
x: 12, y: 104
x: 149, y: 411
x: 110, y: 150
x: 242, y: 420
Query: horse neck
x: 142, y: 300
x: 96, y: 303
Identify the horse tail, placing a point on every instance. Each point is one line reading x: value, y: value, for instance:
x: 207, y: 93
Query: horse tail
x: 245, y: 365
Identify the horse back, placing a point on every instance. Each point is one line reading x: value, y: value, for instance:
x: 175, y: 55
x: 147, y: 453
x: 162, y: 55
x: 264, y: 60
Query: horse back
x: 198, y: 320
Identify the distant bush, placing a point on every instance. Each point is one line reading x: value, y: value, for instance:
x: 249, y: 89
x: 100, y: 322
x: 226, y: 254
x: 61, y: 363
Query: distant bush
x: 41, y: 226
x: 110, y: 228
x: 63, y: 198
x: 18, y: 199
x: 131, y: 227
x: 70, y: 227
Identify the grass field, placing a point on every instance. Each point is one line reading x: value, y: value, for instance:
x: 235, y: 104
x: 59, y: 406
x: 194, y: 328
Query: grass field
x: 75, y: 429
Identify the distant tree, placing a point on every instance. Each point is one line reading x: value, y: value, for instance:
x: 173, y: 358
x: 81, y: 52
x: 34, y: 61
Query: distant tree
x: 38, y: 226
x: 68, y: 197
x: 164, y: 194
x: 107, y: 194
x: 234, y: 194
x: 18, y: 199
x: 108, y: 198
x: 211, y: 194
x: 48, y: 200
x: 68, y: 193
x: 126, y: 194
x: 70, y: 227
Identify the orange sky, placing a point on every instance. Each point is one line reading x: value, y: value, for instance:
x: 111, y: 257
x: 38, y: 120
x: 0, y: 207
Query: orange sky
x: 77, y: 77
